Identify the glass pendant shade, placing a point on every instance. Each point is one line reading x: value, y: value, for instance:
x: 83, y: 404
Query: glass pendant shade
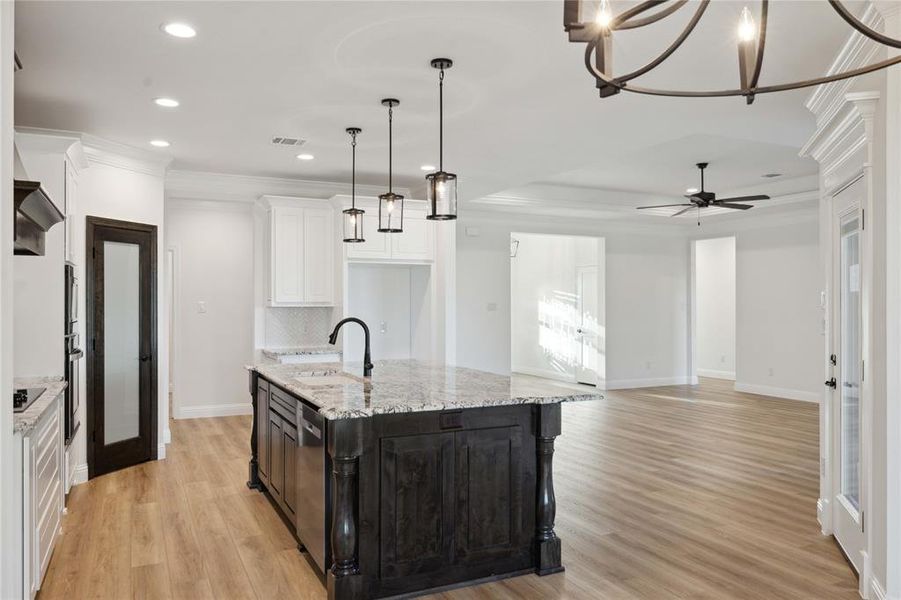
x: 353, y: 217
x: 442, y: 196
x: 442, y: 186
x: 391, y: 213
x: 353, y: 225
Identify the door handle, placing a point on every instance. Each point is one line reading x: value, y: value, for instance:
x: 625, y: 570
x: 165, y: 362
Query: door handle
x: 831, y: 383
x: 145, y: 358
x: 579, y: 331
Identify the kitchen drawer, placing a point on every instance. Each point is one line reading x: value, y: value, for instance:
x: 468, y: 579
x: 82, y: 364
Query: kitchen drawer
x: 284, y: 404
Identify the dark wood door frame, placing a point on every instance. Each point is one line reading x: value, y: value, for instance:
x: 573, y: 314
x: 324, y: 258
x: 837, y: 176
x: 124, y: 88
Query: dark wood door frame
x: 93, y: 350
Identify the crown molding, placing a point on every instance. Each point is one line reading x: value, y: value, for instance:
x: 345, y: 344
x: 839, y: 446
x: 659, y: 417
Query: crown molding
x: 226, y: 187
x: 97, y: 150
x: 858, y: 51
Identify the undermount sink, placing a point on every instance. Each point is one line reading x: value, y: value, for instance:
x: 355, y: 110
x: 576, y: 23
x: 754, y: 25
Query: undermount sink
x: 327, y: 380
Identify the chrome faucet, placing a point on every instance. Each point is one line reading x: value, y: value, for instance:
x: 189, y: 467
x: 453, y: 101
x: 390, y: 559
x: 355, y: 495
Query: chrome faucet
x: 367, y: 359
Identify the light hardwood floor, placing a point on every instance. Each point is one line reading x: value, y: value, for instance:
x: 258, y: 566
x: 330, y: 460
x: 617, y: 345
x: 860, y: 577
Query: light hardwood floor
x: 680, y: 492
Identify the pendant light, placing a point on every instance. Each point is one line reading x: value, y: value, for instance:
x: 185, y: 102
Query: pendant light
x: 391, y: 205
x: 353, y: 216
x: 442, y: 186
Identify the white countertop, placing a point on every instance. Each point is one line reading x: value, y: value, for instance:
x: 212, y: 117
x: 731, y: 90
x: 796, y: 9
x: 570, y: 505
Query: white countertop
x: 25, y: 421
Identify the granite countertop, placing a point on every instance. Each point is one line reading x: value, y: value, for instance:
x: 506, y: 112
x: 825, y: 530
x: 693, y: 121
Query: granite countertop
x: 24, y: 422
x: 402, y: 386
x: 294, y: 350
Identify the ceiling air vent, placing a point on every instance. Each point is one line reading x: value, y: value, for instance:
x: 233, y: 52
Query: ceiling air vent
x: 280, y: 140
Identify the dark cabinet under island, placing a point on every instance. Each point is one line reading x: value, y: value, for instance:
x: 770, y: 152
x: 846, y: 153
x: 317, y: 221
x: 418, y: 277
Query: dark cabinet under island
x: 421, y: 478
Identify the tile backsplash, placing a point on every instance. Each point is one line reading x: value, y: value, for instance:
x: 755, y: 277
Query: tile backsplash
x: 287, y: 327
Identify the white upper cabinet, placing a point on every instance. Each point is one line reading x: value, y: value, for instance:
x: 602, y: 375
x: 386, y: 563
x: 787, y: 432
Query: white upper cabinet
x: 301, y: 263
x: 415, y: 244
x: 416, y: 241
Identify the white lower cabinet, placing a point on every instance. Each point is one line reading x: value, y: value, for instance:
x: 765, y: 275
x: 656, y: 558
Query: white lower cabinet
x: 43, y: 496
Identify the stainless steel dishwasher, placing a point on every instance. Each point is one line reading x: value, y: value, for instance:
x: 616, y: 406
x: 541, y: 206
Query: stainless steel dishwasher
x: 313, y: 508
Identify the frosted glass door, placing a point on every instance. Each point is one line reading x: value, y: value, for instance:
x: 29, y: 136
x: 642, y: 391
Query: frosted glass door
x: 849, y: 373
x: 122, y: 340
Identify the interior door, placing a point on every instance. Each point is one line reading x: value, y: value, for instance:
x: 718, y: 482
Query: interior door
x: 121, y: 345
x: 846, y: 399
x: 587, y: 292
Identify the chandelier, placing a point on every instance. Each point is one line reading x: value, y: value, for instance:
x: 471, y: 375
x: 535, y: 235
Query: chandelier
x: 597, y: 33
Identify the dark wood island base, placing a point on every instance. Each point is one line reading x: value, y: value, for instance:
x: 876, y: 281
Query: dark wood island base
x: 417, y: 502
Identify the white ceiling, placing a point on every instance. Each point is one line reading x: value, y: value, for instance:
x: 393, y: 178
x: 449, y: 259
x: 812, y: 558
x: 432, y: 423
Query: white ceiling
x: 520, y: 108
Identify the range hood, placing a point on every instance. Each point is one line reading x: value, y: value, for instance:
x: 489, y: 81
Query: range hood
x: 35, y: 215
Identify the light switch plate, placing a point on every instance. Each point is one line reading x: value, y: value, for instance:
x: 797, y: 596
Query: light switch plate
x: 201, y: 306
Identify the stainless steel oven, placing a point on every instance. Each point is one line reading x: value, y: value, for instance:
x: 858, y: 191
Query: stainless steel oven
x: 73, y: 355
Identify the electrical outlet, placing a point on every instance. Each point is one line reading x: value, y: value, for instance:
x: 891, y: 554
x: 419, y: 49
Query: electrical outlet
x: 492, y: 306
x: 723, y: 359
x: 771, y: 371
x: 647, y: 365
x: 383, y: 327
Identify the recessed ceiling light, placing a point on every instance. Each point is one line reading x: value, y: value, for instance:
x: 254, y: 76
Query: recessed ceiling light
x: 179, y: 30
x: 427, y: 168
x: 305, y: 156
x: 159, y: 143
x: 691, y: 191
x: 166, y: 102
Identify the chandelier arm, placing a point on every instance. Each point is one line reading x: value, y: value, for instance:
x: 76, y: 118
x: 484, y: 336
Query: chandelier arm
x: 739, y: 92
x: 861, y: 27
x: 761, y: 37
x: 673, y: 47
x: 633, y: 24
x: 635, y: 10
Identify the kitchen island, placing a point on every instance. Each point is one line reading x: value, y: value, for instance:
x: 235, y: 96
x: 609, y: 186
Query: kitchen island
x: 420, y: 478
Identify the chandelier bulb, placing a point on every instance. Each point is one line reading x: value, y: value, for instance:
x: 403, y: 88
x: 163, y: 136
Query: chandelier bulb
x: 604, y: 15
x: 747, y: 28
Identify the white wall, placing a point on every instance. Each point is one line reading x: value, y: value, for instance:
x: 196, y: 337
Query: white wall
x: 647, y: 311
x: 779, y: 348
x: 714, y: 308
x: 10, y: 496
x: 39, y: 284
x: 213, y: 245
x: 646, y: 296
x: 119, y: 187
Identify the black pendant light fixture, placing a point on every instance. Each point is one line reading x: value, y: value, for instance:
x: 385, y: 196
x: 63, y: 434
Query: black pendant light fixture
x: 597, y: 34
x: 442, y: 186
x: 391, y: 205
x: 353, y: 216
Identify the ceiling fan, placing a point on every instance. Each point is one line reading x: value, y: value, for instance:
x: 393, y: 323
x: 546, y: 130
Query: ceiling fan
x: 703, y: 199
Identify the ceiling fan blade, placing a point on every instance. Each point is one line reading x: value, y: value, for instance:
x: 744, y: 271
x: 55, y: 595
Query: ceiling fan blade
x: 676, y: 214
x: 744, y: 199
x: 734, y: 205
x: 664, y: 206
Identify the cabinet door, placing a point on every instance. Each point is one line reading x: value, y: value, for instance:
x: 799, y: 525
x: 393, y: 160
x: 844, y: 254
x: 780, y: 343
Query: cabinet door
x: 318, y: 248
x: 377, y: 245
x: 286, y: 258
x: 489, y: 490
x: 289, y: 446
x: 263, y: 429
x: 415, y: 243
x: 276, y: 456
x: 417, y: 504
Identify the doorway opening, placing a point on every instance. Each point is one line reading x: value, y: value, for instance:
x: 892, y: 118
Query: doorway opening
x: 713, y: 308
x: 557, y: 323
x: 121, y: 344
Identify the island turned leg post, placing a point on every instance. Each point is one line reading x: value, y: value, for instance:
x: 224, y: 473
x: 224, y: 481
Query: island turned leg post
x: 549, y: 556
x: 345, y: 444
x: 253, y: 473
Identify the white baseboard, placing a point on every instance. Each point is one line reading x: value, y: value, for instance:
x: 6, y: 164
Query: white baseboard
x: 214, y: 410
x: 730, y: 375
x: 167, y: 436
x: 81, y: 474
x: 160, y: 451
x: 775, y: 392
x: 546, y: 373
x: 626, y: 384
